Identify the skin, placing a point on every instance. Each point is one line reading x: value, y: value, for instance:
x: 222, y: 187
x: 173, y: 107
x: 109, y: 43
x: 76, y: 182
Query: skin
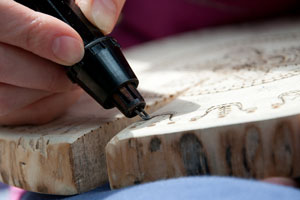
x: 283, y: 181
x: 32, y: 45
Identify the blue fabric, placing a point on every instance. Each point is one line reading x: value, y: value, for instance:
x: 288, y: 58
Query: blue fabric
x: 4, y: 192
x: 191, y: 188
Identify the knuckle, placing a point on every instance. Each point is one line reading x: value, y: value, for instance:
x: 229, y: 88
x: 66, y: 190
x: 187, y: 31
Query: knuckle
x: 32, y: 33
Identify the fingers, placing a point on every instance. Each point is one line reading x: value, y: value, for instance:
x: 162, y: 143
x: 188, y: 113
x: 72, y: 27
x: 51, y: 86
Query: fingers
x: 24, y: 69
x: 41, y: 34
x: 33, y: 89
x: 282, y: 181
x: 42, y: 111
x: 13, y: 98
x: 102, y: 13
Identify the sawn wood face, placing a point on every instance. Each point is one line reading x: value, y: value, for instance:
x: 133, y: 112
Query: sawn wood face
x: 224, y: 101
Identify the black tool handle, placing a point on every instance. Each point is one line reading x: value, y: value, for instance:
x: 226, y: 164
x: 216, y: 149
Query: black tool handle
x: 104, y: 73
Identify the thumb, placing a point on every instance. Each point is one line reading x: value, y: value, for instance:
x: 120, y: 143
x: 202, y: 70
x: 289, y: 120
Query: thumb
x: 102, y: 13
x: 39, y: 33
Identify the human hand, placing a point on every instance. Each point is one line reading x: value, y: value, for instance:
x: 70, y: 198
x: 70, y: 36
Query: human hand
x: 33, y: 86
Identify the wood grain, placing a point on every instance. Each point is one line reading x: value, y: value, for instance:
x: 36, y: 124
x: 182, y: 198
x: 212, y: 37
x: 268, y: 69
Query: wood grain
x: 250, y: 150
x: 238, y: 117
x: 63, y: 157
x: 225, y: 100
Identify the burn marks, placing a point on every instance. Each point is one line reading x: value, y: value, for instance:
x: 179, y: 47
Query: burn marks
x: 154, y: 144
x: 282, y: 149
x: 251, y: 150
x: 193, y: 155
x: 228, y: 158
x: 241, y: 152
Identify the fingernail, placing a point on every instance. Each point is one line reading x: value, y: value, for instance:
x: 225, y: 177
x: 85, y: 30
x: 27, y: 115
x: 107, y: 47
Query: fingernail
x: 68, y: 50
x: 104, y: 14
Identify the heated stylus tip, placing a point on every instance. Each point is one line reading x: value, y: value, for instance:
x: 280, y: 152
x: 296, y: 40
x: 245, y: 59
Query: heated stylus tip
x: 142, y: 113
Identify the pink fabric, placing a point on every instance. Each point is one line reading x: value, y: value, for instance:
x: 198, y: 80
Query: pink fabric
x: 145, y: 20
x: 16, y: 193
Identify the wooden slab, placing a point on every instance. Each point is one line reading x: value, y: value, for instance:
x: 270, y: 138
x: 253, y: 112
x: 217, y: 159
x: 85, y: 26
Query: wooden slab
x: 238, y: 116
x: 67, y: 156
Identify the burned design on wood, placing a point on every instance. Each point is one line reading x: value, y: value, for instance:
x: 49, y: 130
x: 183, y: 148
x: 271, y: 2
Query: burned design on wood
x: 151, y: 95
x: 169, y: 114
x: 157, y: 119
x: 257, y: 59
x: 286, y: 96
x: 225, y: 109
x: 246, y: 67
x: 234, y: 130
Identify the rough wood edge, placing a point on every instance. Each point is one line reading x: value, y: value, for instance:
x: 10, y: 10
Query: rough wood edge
x: 32, y: 163
x: 90, y: 171
x: 251, y: 150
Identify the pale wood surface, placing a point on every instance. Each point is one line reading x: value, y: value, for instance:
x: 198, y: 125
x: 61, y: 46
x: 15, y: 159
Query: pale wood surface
x: 237, y: 114
x: 67, y: 156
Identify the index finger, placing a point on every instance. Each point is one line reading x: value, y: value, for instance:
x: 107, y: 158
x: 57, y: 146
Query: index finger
x: 39, y: 33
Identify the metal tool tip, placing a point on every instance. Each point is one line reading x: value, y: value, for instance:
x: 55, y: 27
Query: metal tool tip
x: 142, y: 113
